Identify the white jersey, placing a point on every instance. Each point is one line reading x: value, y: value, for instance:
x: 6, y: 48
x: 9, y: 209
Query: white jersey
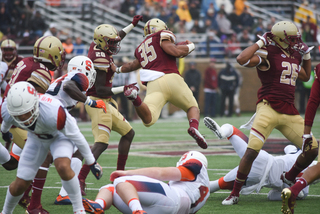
x: 197, y: 190
x: 56, y: 88
x: 53, y: 122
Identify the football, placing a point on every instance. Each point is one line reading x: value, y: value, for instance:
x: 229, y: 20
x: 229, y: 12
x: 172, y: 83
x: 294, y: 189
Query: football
x: 182, y: 43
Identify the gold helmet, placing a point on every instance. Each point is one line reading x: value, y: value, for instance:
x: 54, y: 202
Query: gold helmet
x: 9, y: 49
x: 153, y: 26
x: 106, y: 38
x: 48, y: 49
x: 286, y: 35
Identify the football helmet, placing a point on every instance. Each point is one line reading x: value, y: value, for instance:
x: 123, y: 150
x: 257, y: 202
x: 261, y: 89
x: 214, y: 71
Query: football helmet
x: 49, y: 49
x: 106, y: 38
x: 153, y: 26
x: 9, y: 49
x: 286, y: 35
x: 84, y: 65
x: 22, y: 98
x: 193, y: 155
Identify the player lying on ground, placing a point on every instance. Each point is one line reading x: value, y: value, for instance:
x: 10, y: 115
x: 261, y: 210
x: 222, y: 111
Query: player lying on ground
x: 142, y: 190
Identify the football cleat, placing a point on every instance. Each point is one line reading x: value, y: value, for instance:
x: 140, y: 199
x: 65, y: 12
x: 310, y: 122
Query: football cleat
x: 92, y: 206
x: 198, y: 137
x: 131, y: 91
x: 231, y: 200
x: 139, y: 212
x: 24, y: 201
x: 286, y: 181
x: 213, y: 126
x: 83, y: 187
x: 288, y: 201
x: 65, y: 200
x: 38, y: 210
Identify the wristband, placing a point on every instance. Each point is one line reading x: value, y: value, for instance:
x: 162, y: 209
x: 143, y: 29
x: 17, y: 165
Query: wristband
x: 191, y: 47
x: 117, y: 90
x: 305, y: 136
x: 118, y: 70
x: 128, y: 28
x: 306, y: 56
x: 88, y: 101
x: 260, y: 43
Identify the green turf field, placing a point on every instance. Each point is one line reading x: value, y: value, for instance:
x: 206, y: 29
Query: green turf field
x: 151, y: 147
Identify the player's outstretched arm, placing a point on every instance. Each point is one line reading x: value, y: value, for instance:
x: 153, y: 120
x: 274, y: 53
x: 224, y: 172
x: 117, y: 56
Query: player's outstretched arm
x: 160, y: 173
x: 127, y: 29
x: 127, y: 67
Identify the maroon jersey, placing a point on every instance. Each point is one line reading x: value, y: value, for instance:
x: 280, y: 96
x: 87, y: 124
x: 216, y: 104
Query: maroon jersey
x: 279, y: 81
x: 151, y: 56
x: 11, y: 65
x: 101, y: 61
x: 29, y: 70
x: 314, y: 99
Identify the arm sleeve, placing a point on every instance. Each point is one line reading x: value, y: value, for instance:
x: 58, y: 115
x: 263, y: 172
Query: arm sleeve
x: 6, y: 118
x: 72, y: 131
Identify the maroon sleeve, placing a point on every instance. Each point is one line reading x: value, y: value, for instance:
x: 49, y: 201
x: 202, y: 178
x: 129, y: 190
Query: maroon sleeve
x: 314, y: 99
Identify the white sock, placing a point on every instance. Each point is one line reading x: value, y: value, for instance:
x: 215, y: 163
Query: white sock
x: 134, y: 204
x: 4, y: 154
x: 227, y: 130
x: 214, y: 186
x: 73, y: 189
x: 10, y: 202
x: 76, y: 165
x: 239, y: 145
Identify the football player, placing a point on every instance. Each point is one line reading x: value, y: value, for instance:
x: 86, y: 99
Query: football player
x: 265, y: 171
x: 10, y: 56
x: 143, y: 190
x: 289, y: 195
x: 156, y: 55
x: 278, y: 67
x: 48, y: 54
x: 106, y: 43
x: 50, y: 127
x: 71, y: 89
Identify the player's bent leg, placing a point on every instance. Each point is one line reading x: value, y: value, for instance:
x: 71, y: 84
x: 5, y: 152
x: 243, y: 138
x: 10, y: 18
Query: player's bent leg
x: 144, y: 113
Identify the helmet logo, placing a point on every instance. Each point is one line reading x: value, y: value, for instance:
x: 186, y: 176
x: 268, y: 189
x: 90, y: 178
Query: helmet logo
x: 31, y: 90
x: 88, y: 65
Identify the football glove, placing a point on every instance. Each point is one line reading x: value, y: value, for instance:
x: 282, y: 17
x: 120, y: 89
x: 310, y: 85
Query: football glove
x: 96, y: 170
x: 303, y: 48
x: 131, y: 91
x: 266, y: 38
x: 307, y: 142
x: 96, y: 104
x: 7, y: 137
x: 136, y: 19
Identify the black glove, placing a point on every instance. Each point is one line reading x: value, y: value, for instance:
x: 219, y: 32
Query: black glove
x: 7, y: 137
x: 96, y: 170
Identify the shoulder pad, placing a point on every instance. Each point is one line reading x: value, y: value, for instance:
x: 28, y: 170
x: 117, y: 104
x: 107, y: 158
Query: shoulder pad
x: 166, y: 34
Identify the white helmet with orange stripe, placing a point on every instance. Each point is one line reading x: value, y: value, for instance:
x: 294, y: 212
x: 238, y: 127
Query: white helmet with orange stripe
x: 193, y: 155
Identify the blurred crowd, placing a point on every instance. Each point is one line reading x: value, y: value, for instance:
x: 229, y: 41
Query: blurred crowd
x: 229, y: 23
